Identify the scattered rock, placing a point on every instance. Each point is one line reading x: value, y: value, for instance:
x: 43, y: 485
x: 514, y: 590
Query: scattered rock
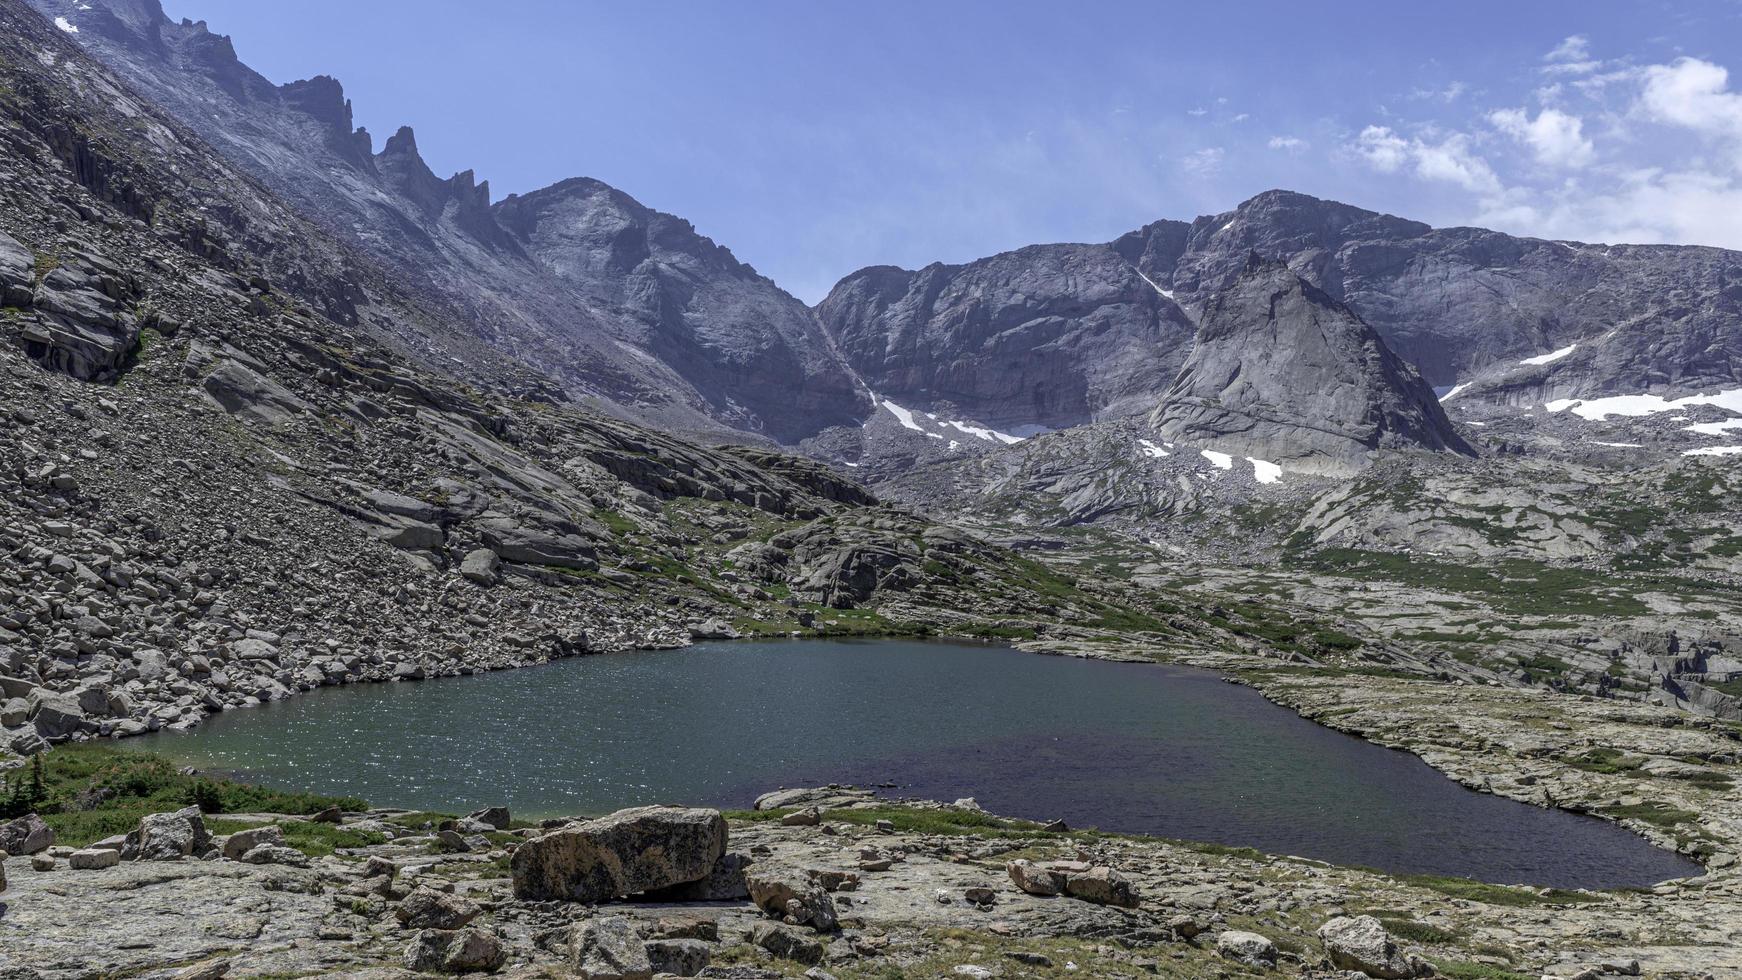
x: 1361, y: 943
x: 787, y: 943
x: 609, y: 948
x: 1246, y: 947
x: 791, y: 895
x: 462, y: 951
x: 26, y: 836
x: 426, y: 908
x: 93, y: 859
x: 243, y: 841
x: 168, y: 837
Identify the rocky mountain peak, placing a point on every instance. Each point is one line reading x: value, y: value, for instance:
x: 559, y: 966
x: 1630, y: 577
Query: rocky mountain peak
x: 1284, y: 373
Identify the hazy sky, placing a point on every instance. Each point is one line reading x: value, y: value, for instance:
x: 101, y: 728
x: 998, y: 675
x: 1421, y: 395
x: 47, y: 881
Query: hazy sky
x: 813, y: 137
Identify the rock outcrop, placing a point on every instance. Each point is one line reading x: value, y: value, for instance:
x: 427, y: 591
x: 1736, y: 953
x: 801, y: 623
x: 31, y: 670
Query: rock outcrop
x: 1284, y: 373
x: 1046, y: 336
x: 627, y: 853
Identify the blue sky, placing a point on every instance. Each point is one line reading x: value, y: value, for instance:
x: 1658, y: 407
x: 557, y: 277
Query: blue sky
x: 813, y: 137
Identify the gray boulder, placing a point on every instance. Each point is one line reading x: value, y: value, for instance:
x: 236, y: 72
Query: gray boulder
x: 1103, y: 886
x: 1035, y: 879
x: 426, y: 908
x: 1361, y: 943
x: 1248, y: 948
x: 25, y: 836
x: 462, y: 951
x: 627, y: 853
x: 725, y: 883
x: 678, y: 957
x: 481, y: 566
x: 787, y: 943
x: 93, y: 859
x: 168, y: 837
x: 243, y: 841
x: 56, y: 715
x: 609, y: 948
x: 791, y: 895
x: 526, y: 546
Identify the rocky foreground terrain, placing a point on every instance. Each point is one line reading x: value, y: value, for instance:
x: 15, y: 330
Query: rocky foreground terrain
x: 819, y: 883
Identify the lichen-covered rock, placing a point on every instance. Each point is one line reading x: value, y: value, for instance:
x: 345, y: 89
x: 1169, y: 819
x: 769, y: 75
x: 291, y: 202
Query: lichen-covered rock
x: 1361, y: 943
x: 678, y: 957
x: 461, y: 951
x: 791, y: 894
x: 93, y: 859
x: 1103, y: 886
x: 25, y: 836
x: 243, y: 841
x: 724, y: 883
x: 627, y: 853
x: 426, y: 908
x: 1035, y: 879
x: 787, y: 943
x: 168, y: 837
x: 609, y: 948
x: 1246, y: 947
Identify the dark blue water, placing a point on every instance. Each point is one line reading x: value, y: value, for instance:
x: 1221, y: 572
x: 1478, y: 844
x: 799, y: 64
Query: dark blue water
x: 1127, y: 747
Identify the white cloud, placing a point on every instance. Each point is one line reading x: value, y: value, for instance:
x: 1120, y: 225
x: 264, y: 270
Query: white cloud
x: 1556, y: 138
x: 1571, y: 57
x: 1448, y: 159
x: 1199, y: 111
x: 1694, y: 94
x: 1291, y: 144
x: 1203, y: 163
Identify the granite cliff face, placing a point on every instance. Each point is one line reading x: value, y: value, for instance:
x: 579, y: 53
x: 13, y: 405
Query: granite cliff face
x: 614, y: 301
x: 1283, y: 373
x: 1466, y: 302
x: 738, y: 340
x: 1048, y: 336
x: 1463, y: 305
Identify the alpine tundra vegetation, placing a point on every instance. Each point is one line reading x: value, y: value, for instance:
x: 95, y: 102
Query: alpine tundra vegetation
x: 1412, y: 554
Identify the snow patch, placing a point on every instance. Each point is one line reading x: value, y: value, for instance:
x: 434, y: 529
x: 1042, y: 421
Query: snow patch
x: 1713, y: 428
x: 981, y: 432
x: 1551, y: 357
x: 1619, y: 445
x: 65, y: 25
x: 1219, y: 460
x: 1448, y: 396
x: 902, y: 415
x: 1265, y: 472
x: 1714, y: 451
x: 1633, y: 406
x: 1166, y: 293
x: 1151, y: 450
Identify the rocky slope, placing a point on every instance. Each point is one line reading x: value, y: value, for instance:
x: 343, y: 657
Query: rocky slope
x: 1283, y: 373
x: 615, y: 301
x: 228, y: 480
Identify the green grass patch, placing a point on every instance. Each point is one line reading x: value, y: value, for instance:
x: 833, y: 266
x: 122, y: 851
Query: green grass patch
x: 94, y: 790
x: 1657, y: 816
x: 313, y: 839
x: 1481, y: 971
x: 1507, y: 895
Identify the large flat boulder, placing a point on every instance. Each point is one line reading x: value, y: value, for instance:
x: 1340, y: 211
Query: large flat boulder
x: 627, y: 853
